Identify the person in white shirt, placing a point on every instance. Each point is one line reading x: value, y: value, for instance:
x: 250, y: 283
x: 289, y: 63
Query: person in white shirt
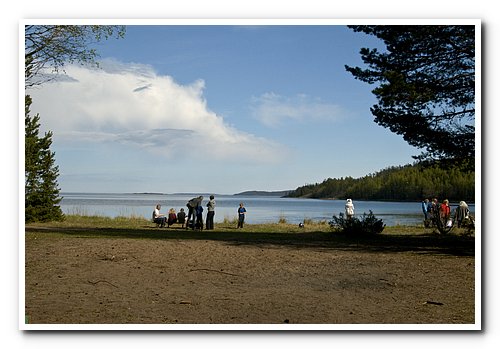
x: 159, y: 218
x: 349, y: 209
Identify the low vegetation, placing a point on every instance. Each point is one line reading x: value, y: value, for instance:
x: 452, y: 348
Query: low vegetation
x: 367, y: 224
x: 310, y: 235
x: 138, y: 223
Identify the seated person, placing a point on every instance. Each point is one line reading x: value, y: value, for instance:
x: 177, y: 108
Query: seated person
x: 181, y: 217
x: 159, y: 218
x: 172, y: 218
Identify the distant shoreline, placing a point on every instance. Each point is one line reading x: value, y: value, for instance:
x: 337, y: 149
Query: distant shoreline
x: 281, y: 193
x: 256, y: 193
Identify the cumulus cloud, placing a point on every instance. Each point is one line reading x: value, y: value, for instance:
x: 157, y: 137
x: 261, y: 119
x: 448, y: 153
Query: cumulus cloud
x: 274, y: 110
x: 132, y: 104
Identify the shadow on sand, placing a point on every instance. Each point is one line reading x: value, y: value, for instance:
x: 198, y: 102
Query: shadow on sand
x: 387, y: 243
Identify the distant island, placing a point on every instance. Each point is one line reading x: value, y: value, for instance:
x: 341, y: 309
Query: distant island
x: 281, y: 193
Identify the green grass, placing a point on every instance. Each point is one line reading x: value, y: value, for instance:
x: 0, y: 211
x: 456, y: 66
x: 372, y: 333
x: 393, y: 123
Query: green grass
x: 141, y: 227
x: 83, y: 222
x: 318, y: 235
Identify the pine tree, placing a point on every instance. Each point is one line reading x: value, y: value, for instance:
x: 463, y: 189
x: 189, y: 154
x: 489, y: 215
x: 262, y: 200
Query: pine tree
x: 425, y: 87
x: 40, y: 174
x: 47, y: 49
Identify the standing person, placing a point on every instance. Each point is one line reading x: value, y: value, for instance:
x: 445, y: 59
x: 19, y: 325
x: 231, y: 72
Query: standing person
x: 241, y: 215
x: 434, y: 210
x: 211, y: 213
x: 349, y: 209
x: 181, y: 217
x: 425, y: 209
x: 159, y: 218
x: 199, y: 217
x: 444, y: 213
x: 445, y: 209
x: 191, y: 205
x: 461, y: 213
x: 429, y: 207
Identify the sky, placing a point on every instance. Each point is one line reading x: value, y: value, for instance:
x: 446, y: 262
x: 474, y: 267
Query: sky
x: 217, y: 109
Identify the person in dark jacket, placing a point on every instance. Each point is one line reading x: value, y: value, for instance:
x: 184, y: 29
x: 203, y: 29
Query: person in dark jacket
x: 241, y: 215
x: 191, y: 205
x: 199, y: 217
x: 181, y: 217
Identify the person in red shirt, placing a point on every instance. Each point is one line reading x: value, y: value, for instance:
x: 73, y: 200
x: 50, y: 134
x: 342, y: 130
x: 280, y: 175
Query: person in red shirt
x: 172, y: 217
x: 445, y: 211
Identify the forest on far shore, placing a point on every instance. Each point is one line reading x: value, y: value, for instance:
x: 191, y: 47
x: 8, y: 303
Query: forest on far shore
x: 400, y: 183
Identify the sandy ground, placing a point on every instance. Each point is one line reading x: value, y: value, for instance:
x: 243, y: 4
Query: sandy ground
x: 71, y: 280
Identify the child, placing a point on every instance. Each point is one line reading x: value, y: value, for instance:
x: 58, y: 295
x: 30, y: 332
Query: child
x: 241, y: 215
x: 199, y: 217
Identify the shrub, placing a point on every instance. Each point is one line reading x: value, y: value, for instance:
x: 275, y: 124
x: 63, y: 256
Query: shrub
x: 282, y: 219
x: 308, y: 221
x: 230, y: 220
x: 367, y: 225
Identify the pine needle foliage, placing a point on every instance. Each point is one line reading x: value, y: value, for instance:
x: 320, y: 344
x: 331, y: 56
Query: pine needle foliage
x: 40, y: 173
x: 368, y: 224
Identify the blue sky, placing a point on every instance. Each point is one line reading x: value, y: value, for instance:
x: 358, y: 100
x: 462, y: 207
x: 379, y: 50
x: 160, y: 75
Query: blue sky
x: 217, y: 109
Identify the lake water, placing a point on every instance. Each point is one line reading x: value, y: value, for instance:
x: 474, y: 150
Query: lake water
x: 260, y: 209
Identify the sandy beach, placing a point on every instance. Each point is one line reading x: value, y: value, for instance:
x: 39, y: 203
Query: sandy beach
x: 93, y: 280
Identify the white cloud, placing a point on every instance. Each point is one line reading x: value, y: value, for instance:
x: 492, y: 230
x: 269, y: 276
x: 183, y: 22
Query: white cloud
x: 130, y: 103
x: 274, y: 110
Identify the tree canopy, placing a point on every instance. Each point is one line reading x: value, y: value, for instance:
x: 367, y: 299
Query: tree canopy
x: 52, y: 46
x: 403, y: 183
x: 425, y: 86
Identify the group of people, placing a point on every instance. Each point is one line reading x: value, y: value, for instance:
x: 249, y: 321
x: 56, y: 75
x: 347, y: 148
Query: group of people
x: 431, y: 209
x: 170, y: 219
x: 434, y: 210
x: 194, y: 219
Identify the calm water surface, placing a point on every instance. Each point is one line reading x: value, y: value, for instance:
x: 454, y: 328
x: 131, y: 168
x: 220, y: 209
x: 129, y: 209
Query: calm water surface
x: 259, y: 209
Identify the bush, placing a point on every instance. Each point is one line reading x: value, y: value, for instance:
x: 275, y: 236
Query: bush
x: 230, y: 220
x: 282, y: 219
x: 367, y: 225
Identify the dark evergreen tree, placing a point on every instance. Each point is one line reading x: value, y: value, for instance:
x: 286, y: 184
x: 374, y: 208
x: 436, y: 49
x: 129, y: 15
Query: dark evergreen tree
x: 40, y: 173
x: 47, y: 49
x: 425, y: 86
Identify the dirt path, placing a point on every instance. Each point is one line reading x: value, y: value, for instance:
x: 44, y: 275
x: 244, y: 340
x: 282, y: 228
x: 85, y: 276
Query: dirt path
x: 139, y: 281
